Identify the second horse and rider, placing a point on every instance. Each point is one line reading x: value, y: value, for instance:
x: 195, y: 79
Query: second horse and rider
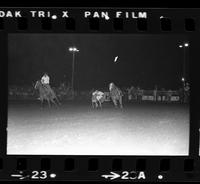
x: 98, y: 97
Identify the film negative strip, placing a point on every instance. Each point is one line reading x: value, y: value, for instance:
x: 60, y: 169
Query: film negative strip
x: 99, y: 94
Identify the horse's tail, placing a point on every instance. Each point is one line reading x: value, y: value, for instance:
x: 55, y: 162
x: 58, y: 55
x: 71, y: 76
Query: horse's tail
x: 35, y: 85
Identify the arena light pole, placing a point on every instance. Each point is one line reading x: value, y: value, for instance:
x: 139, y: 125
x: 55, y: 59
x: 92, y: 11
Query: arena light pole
x: 73, y: 50
x: 184, y: 47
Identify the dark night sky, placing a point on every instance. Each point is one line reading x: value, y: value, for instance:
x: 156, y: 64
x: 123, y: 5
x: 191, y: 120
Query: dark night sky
x: 144, y: 60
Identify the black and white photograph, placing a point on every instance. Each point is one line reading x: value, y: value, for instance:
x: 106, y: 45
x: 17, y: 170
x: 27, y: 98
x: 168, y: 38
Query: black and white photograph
x: 98, y: 94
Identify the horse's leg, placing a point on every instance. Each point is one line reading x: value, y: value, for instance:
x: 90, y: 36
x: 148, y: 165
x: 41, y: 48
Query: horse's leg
x: 57, y: 100
x: 96, y: 104
x: 53, y: 94
x: 93, y: 104
x: 102, y: 100
x: 115, y: 102
x: 100, y: 104
x: 120, y: 102
x: 52, y: 100
x: 41, y: 103
x: 49, y: 103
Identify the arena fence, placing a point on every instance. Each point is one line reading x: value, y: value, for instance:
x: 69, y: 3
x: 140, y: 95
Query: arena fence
x: 137, y: 95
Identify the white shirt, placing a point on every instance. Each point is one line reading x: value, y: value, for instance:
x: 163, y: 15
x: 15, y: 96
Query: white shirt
x: 98, y: 94
x: 45, y: 79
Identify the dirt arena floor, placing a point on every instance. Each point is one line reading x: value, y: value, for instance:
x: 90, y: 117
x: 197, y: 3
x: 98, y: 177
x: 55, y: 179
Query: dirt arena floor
x: 74, y: 128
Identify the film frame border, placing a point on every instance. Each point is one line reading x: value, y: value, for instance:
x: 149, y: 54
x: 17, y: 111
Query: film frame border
x: 172, y: 168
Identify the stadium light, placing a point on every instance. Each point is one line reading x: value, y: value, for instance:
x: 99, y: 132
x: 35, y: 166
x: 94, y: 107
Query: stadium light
x: 186, y: 44
x: 70, y: 49
x: 73, y: 50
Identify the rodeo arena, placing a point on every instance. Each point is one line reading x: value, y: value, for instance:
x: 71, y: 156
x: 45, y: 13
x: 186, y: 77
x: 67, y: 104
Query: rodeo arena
x: 111, y: 121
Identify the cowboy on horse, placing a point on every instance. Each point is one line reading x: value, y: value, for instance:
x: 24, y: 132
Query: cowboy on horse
x: 45, y: 91
x: 45, y: 80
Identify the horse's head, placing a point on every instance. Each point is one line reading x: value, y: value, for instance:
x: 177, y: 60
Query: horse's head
x: 37, y: 84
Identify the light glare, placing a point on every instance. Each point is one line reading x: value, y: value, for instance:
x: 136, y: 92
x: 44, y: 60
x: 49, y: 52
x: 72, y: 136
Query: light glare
x: 186, y: 44
x: 73, y: 49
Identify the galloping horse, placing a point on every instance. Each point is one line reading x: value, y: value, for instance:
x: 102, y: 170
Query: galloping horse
x: 46, y: 94
x: 116, y: 95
